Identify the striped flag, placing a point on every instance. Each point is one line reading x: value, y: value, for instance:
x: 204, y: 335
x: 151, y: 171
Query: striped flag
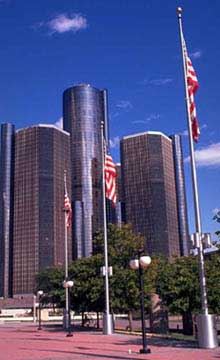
x: 193, y: 85
x: 110, y: 179
x: 68, y: 210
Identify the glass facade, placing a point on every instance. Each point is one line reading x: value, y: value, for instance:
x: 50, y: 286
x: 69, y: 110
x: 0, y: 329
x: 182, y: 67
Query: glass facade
x: 42, y: 153
x: 149, y: 191
x: 6, y: 208
x: 181, y: 195
x: 84, y: 108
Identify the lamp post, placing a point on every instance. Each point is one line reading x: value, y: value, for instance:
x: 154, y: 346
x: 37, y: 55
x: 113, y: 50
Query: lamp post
x: 39, y: 293
x: 140, y: 263
x: 68, y: 285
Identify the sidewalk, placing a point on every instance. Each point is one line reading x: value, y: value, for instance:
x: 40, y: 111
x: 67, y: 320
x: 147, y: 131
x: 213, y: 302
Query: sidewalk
x: 21, y: 341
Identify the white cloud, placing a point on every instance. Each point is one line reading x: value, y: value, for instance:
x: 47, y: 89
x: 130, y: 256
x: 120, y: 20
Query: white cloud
x: 208, y: 156
x: 125, y: 105
x: 150, y: 118
x: 59, y: 123
x: 114, y: 142
x: 63, y: 23
x: 158, y: 82
x: 215, y: 211
x: 196, y: 54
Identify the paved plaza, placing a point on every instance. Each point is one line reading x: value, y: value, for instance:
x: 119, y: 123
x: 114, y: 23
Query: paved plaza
x: 19, y: 341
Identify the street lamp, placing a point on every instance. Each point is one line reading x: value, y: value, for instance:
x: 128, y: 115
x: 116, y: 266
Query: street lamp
x: 140, y: 263
x: 39, y: 294
x: 68, y: 285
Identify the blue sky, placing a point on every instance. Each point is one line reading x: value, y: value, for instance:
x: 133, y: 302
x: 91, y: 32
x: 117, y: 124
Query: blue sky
x: 131, y: 48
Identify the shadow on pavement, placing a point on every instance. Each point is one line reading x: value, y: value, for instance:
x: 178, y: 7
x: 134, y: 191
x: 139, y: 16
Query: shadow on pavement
x: 86, y: 354
x: 163, y: 342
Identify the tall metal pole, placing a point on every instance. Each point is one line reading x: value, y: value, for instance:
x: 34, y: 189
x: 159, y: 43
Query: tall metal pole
x: 194, y: 179
x: 66, y: 261
x: 39, y: 314
x: 107, y: 318
x: 145, y: 350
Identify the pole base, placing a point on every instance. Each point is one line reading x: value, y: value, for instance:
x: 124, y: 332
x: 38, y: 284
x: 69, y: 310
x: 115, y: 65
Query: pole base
x: 107, y: 324
x: 207, y: 331
x: 145, y: 351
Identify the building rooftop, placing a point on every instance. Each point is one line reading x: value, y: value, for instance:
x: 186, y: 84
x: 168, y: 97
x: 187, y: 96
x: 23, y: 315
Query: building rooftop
x: 147, y: 133
x: 46, y: 126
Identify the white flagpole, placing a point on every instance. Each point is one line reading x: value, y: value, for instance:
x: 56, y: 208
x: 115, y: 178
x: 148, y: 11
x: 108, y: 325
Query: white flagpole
x: 194, y: 178
x: 66, y: 259
x: 107, y: 317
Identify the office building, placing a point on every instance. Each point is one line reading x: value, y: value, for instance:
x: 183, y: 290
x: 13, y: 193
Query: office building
x: 6, y: 208
x: 41, y: 156
x: 84, y: 109
x: 149, y: 191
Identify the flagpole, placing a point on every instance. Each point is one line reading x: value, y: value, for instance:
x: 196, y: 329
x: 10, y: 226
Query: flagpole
x: 66, y: 261
x: 194, y: 180
x: 107, y: 317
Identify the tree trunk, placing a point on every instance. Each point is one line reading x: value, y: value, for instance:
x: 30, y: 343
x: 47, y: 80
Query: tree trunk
x: 130, y: 321
x: 83, y: 319
x: 158, y: 316
x: 98, y: 324
x: 187, y: 323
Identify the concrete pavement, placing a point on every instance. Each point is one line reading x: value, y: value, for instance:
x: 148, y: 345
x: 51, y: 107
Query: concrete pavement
x: 20, y: 341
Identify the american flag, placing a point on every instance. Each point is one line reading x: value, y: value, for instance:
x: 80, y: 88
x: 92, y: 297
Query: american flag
x: 110, y: 179
x: 193, y: 85
x: 68, y: 210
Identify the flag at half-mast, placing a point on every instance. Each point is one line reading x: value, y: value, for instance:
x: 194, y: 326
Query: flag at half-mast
x: 110, y: 178
x: 192, y: 87
x: 67, y: 209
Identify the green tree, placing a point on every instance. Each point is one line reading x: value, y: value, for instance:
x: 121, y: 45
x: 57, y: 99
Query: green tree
x: 50, y: 281
x: 88, y: 290
x: 88, y: 293
x: 123, y: 245
x: 212, y: 265
x: 178, y: 287
x: 216, y: 217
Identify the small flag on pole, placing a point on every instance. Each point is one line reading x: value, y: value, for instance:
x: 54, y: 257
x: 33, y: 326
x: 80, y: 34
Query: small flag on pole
x: 193, y: 85
x: 110, y: 179
x: 68, y: 210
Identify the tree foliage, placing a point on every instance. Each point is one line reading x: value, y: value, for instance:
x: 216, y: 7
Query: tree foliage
x: 177, y: 283
x: 50, y: 281
x: 216, y: 217
x: 88, y: 292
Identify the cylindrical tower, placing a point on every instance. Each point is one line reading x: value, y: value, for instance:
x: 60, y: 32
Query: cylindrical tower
x: 181, y: 195
x: 84, y: 108
x: 6, y: 207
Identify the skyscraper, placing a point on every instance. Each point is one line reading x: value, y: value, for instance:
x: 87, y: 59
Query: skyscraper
x: 181, y: 195
x: 41, y: 156
x: 84, y: 109
x: 149, y: 191
x: 6, y: 208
